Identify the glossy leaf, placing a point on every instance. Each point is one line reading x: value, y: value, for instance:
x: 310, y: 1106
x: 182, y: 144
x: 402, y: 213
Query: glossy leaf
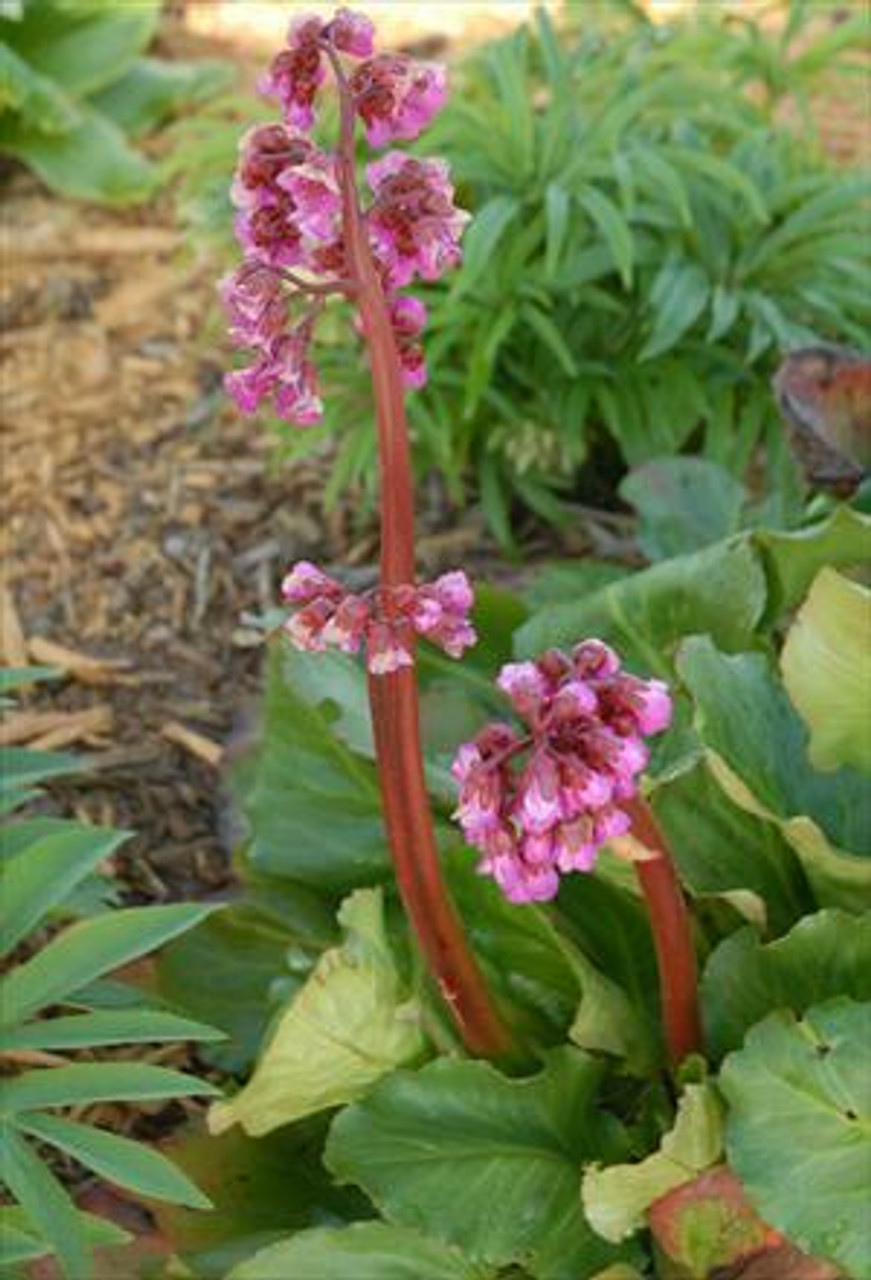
x: 722, y: 849
x: 646, y: 614
x: 683, y: 504
x: 798, y: 1100
x: 824, y: 955
x: 238, y: 967
x: 757, y: 749
x: 261, y: 1188
x: 366, y: 1251
x: 489, y: 1164
x: 349, y: 1024
x: 313, y: 804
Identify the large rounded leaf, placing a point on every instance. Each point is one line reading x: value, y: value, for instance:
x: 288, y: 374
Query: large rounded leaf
x: 489, y: 1164
x: 757, y: 750
x: 365, y: 1251
x: 826, y: 664
x: 825, y: 955
x: 799, y: 1128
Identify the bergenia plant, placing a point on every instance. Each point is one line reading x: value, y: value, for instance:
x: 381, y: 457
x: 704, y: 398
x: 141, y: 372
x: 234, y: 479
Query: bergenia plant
x: 538, y: 802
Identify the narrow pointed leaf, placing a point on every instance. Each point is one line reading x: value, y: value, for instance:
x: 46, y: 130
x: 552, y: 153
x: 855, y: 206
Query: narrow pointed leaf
x: 89, y: 949
x: 45, y: 1202
x: 87, y: 1082
x: 44, y: 874
x: 117, y: 1159
x: 87, y: 1030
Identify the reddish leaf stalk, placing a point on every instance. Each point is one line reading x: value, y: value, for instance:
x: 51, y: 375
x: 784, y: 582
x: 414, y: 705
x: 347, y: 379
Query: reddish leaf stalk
x: 394, y: 697
x: 672, y: 936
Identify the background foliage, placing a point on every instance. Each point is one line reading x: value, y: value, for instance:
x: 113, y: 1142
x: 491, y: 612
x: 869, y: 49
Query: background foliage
x: 76, y: 90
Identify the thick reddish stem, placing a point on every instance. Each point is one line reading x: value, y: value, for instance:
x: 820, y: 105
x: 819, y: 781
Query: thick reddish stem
x: 394, y: 697
x: 672, y: 936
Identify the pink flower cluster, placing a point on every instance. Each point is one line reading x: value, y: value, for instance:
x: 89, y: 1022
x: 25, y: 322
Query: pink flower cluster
x: 385, y: 621
x: 289, y: 211
x: 541, y: 804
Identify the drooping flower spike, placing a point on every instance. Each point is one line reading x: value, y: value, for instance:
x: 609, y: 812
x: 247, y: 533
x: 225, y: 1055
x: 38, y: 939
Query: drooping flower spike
x: 289, y: 211
x: 383, y: 621
x: 540, y: 803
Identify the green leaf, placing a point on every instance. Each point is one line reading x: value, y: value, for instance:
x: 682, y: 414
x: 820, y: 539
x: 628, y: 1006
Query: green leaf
x: 118, y: 1160
x: 616, y: 1198
x: 757, y: 750
x: 614, y: 228
x: 86, y: 47
x: 87, y: 1030
x: 261, y: 1189
x: 46, y: 1203
x: 683, y: 503
x: 557, y: 206
x: 45, y: 873
x: 548, y: 332
x: 313, y: 804
x: 678, y: 298
x: 87, y: 950
x: 723, y: 850
x: 793, y: 560
x: 646, y: 614
x: 482, y: 239
x: 825, y: 955
x: 152, y: 90
x: 238, y: 967
x: 96, y: 1082
x: 486, y: 1163
x: 616, y: 966
x: 92, y: 161
x: 20, y: 677
x: 826, y: 665
x: 18, y: 1243
x: 366, y: 1251
x: 798, y: 1100
x: 21, y: 767
x: 348, y: 1025
x: 38, y: 99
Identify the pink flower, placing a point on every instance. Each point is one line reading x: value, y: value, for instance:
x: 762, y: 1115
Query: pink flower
x: 352, y: 33
x: 525, y: 685
x: 306, y: 582
x: 408, y: 316
x: 414, y: 226
x: 396, y: 97
x: 586, y: 721
x: 297, y: 72
x: 384, y: 620
x: 283, y: 372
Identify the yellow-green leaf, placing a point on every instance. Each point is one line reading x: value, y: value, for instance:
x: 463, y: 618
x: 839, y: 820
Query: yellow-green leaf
x: 826, y: 665
x: 617, y: 1197
x: 349, y: 1025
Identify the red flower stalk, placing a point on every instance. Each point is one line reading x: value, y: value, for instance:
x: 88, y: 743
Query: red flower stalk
x: 305, y: 236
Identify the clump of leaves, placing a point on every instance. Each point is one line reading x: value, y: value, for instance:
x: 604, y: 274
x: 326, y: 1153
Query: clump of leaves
x: 646, y: 241
x: 76, y: 90
x: 760, y: 795
x: 57, y: 1000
